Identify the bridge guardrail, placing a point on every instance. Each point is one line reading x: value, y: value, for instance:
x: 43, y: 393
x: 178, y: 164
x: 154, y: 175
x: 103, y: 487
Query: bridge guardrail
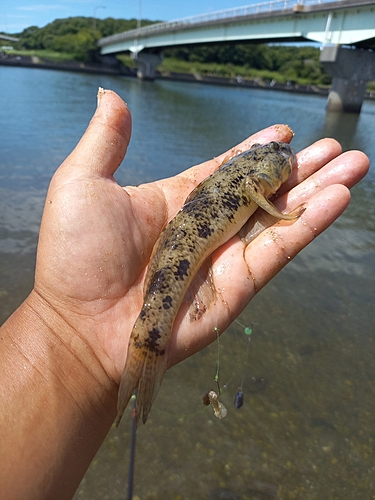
x: 247, y: 10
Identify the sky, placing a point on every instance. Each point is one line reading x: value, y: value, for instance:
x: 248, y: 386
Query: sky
x: 16, y: 15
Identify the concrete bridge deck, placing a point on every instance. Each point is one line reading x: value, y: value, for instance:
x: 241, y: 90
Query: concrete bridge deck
x: 352, y: 22
x: 332, y: 24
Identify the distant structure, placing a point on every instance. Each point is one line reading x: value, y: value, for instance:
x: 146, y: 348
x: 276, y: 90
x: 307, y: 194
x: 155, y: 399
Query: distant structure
x: 8, y: 38
x: 344, y: 28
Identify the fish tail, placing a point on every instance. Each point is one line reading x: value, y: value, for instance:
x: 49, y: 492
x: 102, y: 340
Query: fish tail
x: 143, y: 369
x: 154, y: 368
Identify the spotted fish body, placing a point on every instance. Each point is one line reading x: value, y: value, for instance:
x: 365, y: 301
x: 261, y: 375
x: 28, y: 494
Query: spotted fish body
x: 214, y: 212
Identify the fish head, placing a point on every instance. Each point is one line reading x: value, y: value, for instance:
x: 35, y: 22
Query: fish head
x: 275, y: 165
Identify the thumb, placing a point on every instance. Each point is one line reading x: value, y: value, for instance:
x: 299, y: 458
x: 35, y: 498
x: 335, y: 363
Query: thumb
x: 103, y: 146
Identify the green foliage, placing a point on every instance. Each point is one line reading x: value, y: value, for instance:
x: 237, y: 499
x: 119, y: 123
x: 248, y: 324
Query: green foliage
x: 75, y: 35
x: 218, y: 70
x: 287, y: 62
x: 127, y: 60
x: 81, y: 44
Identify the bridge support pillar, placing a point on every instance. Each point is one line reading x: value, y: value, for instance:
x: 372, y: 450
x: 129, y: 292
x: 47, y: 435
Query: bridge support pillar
x: 351, y: 70
x: 147, y: 64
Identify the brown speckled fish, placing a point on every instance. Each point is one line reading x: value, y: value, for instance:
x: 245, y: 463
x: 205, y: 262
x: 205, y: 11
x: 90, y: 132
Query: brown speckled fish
x: 214, y: 212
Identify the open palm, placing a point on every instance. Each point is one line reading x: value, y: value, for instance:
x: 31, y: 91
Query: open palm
x: 97, y: 237
x: 64, y: 349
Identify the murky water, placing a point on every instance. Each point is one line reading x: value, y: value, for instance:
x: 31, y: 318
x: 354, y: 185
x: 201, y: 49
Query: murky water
x: 307, y: 427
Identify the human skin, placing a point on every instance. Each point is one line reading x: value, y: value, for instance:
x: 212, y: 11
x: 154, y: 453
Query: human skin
x: 63, y: 350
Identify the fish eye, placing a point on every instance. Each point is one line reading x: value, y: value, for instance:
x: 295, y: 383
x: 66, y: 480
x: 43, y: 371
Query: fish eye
x: 276, y: 146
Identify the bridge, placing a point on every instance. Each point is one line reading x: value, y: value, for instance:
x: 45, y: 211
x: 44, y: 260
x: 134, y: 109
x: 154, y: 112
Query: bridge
x: 332, y: 24
x: 8, y: 38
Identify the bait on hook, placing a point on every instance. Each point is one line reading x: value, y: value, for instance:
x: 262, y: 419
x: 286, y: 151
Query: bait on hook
x: 211, y: 398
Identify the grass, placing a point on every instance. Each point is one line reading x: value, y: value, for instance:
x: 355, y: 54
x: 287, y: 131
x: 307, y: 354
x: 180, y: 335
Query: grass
x: 228, y: 71
x: 127, y: 60
x: 170, y: 65
x: 49, y: 55
x: 220, y: 70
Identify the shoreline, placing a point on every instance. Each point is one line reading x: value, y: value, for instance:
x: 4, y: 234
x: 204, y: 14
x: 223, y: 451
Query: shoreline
x: 239, y: 82
x: 115, y: 68
x: 72, y: 66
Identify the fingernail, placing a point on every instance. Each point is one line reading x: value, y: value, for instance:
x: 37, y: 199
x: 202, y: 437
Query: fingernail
x: 100, y: 94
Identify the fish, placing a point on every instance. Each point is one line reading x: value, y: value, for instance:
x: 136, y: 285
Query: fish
x: 213, y: 213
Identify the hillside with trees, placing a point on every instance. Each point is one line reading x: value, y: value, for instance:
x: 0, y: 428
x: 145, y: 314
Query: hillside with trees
x: 76, y: 36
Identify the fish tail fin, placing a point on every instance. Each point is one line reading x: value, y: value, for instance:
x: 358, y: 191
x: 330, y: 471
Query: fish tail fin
x: 154, y: 368
x: 129, y: 379
x: 143, y: 369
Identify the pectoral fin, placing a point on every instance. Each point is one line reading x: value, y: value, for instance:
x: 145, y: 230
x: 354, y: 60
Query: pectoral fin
x: 262, y: 202
x: 261, y: 220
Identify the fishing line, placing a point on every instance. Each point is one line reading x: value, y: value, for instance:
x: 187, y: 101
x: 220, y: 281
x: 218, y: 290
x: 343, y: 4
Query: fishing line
x: 216, y: 378
x: 132, y: 446
x: 238, y: 398
x: 211, y: 398
x: 219, y: 409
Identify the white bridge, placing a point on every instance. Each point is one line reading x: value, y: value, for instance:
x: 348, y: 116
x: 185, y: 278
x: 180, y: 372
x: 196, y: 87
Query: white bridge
x: 330, y: 23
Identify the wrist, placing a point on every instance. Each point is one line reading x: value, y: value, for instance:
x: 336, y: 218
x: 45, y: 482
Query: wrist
x: 51, y: 343
x: 58, y: 402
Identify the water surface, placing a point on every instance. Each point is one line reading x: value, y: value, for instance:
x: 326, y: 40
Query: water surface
x: 307, y: 428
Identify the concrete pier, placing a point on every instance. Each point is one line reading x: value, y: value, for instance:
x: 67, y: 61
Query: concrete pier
x: 147, y: 64
x: 351, y: 70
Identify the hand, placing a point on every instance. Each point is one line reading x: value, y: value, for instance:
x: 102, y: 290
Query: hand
x: 63, y: 351
x: 96, y: 237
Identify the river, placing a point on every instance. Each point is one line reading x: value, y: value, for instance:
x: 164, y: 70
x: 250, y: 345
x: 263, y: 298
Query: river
x: 307, y: 427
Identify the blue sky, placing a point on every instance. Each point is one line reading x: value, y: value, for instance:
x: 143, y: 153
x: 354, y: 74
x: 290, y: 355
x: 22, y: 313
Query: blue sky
x: 16, y: 15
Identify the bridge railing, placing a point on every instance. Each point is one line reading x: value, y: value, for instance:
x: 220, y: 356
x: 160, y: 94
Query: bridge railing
x: 247, y: 10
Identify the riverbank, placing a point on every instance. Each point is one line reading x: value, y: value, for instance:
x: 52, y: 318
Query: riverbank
x: 112, y: 66
x: 243, y: 82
